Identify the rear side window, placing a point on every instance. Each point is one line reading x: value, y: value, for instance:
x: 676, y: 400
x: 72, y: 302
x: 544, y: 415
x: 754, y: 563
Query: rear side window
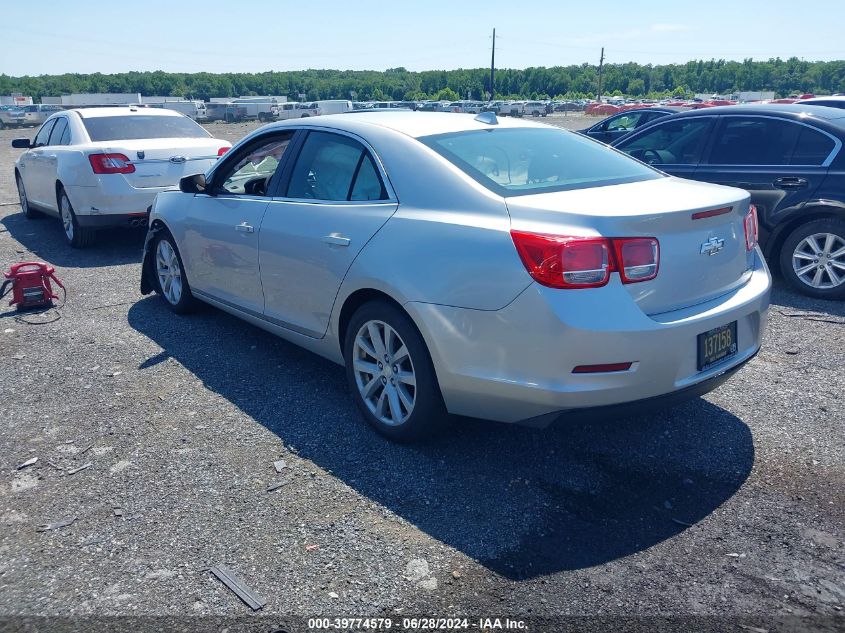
x: 754, y: 141
x: 332, y: 167
x: 812, y: 147
x: 140, y: 126
x: 523, y: 161
x: 677, y: 142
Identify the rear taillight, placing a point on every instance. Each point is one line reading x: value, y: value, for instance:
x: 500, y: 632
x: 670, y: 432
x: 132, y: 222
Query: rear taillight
x: 576, y: 262
x: 110, y: 164
x: 222, y: 151
x: 637, y: 258
x: 751, y: 228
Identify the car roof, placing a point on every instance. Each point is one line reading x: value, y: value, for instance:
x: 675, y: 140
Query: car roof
x: 92, y: 113
x: 815, y: 100
x: 790, y: 110
x: 411, y: 123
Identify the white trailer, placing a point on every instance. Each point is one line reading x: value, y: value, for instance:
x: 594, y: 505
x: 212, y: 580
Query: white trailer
x: 334, y: 106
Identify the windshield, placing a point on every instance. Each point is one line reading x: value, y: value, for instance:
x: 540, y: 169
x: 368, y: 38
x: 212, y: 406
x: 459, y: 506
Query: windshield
x: 521, y: 161
x: 139, y: 126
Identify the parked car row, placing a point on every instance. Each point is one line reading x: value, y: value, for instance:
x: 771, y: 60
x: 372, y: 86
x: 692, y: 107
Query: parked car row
x: 789, y: 158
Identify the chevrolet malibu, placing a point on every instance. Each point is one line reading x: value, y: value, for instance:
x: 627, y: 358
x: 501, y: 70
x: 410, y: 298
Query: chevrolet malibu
x: 102, y: 167
x: 465, y: 265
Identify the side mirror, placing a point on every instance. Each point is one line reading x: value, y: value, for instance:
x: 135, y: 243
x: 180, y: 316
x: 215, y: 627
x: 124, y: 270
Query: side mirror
x: 21, y: 143
x: 192, y: 184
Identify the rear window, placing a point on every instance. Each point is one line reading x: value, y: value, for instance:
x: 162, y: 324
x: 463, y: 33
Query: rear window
x: 513, y: 162
x: 139, y: 126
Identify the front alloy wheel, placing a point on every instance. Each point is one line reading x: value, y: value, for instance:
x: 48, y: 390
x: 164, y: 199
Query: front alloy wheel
x: 28, y: 211
x: 170, y: 279
x: 813, y: 258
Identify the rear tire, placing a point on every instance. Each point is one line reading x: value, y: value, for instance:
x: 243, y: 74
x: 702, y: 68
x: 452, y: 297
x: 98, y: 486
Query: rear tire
x: 812, y: 258
x: 170, y: 281
x: 75, y: 235
x: 390, y: 374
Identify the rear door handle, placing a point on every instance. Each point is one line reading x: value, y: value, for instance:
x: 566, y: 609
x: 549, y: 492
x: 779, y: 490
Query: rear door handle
x: 790, y: 182
x: 336, y: 239
x: 244, y: 227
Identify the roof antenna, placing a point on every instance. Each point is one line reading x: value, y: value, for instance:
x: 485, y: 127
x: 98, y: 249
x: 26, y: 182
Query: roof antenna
x: 487, y: 117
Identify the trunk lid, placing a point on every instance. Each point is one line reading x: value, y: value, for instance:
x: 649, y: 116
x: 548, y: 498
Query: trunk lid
x: 663, y: 208
x: 162, y: 162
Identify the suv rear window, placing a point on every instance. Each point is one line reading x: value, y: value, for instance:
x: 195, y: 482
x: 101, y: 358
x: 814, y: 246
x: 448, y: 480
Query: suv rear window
x: 139, y: 126
x: 522, y: 161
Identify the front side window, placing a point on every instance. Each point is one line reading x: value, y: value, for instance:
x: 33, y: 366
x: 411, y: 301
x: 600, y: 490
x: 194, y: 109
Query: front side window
x: 43, y: 135
x: 142, y: 126
x: 521, y: 161
x: 332, y: 167
x: 250, y: 173
x: 676, y: 142
x: 59, y: 130
x: 626, y: 122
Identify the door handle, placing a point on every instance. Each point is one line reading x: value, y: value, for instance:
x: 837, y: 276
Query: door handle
x: 336, y: 239
x: 244, y: 227
x: 790, y: 182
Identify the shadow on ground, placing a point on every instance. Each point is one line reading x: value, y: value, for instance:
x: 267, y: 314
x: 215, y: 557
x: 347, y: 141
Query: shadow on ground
x: 522, y: 502
x: 44, y: 237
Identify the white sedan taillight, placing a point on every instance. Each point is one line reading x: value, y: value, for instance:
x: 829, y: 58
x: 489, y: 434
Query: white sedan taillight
x: 559, y: 261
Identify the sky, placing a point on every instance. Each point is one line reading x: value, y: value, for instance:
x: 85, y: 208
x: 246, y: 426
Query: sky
x: 88, y: 36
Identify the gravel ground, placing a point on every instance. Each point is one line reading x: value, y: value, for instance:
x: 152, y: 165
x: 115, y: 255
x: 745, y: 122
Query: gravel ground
x: 731, y: 505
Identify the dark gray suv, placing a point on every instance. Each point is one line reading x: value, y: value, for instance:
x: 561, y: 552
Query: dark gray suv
x: 788, y: 157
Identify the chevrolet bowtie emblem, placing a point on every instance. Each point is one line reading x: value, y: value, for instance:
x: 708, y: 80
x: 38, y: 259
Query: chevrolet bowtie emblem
x: 712, y: 246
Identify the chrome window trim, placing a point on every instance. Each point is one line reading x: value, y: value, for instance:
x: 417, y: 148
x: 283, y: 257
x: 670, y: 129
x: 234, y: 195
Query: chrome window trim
x: 826, y: 163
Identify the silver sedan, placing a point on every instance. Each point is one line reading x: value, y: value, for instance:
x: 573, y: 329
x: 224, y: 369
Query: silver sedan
x: 460, y: 264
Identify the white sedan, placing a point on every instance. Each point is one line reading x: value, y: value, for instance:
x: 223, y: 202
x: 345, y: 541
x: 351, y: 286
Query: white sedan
x: 102, y: 167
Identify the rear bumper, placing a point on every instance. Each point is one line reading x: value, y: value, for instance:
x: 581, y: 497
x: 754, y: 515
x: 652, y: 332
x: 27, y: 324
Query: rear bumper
x: 127, y: 220
x: 516, y: 364
x: 96, y: 205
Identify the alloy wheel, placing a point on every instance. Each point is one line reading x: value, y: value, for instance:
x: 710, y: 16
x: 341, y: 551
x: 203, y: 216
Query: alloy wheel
x: 819, y: 260
x: 67, y: 217
x: 169, y: 272
x: 384, y: 373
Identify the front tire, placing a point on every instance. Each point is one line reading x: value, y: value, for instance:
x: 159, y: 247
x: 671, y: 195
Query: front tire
x: 75, y: 235
x: 170, y: 281
x: 812, y: 258
x: 27, y: 209
x: 390, y: 374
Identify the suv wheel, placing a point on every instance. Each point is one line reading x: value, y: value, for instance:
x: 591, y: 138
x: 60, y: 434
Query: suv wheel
x: 76, y: 236
x: 812, y: 259
x: 390, y: 373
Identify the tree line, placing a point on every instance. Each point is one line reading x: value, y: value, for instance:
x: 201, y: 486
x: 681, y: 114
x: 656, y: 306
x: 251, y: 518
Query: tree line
x: 784, y: 77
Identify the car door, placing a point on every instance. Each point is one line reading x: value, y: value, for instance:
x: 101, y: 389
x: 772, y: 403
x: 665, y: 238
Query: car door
x: 219, y: 245
x: 48, y: 164
x: 35, y: 170
x: 335, y: 199
x: 673, y: 144
x: 778, y: 161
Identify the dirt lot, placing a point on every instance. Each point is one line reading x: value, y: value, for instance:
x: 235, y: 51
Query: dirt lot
x: 732, y: 505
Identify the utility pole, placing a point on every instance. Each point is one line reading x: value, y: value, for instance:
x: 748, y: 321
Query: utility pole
x: 493, y: 68
x: 601, y: 65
